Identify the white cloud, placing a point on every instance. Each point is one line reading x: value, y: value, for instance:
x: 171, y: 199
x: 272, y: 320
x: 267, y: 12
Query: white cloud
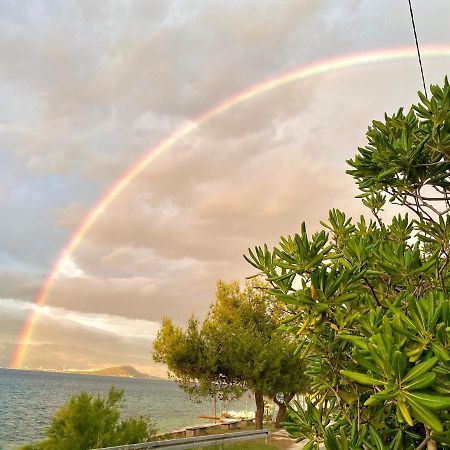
x: 118, y: 325
x: 69, y: 269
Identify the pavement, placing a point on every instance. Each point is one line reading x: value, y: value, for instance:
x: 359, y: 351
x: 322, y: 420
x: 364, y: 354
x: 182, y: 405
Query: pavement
x: 281, y: 439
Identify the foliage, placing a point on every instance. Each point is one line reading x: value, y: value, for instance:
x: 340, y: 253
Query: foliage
x: 369, y: 299
x: 407, y: 156
x: 88, y: 421
x: 237, y: 348
x: 192, y: 362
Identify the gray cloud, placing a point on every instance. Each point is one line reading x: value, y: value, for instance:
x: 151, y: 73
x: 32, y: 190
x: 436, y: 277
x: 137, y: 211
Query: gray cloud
x: 90, y: 86
x: 18, y: 284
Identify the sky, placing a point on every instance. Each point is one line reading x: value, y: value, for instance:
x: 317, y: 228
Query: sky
x: 89, y: 87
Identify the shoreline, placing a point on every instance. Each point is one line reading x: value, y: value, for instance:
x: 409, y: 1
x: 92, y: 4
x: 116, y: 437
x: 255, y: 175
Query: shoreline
x: 203, y: 428
x: 74, y: 372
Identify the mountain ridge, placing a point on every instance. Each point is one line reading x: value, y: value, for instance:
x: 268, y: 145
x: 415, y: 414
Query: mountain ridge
x: 115, y: 371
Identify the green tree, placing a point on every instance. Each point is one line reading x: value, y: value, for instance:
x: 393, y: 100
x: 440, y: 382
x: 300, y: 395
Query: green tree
x: 369, y: 299
x: 88, y: 421
x: 238, y: 347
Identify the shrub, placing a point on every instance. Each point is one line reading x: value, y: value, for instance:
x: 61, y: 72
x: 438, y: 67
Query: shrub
x: 87, y: 421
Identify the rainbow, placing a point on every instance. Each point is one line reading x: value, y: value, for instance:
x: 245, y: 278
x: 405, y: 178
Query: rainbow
x: 300, y: 73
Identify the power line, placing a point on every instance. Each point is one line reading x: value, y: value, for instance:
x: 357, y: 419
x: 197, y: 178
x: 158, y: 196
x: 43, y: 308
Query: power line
x: 417, y: 46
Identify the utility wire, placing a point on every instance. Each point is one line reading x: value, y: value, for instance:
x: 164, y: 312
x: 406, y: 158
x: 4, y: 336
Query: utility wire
x: 417, y: 46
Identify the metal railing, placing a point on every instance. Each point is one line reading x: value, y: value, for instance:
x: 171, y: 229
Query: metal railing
x: 196, y: 442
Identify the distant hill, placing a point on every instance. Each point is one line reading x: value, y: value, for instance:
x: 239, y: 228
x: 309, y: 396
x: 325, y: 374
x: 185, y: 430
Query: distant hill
x: 116, y: 371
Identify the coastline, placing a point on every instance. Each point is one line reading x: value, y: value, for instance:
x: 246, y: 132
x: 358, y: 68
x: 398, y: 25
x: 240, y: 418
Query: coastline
x: 87, y: 372
x: 201, y: 429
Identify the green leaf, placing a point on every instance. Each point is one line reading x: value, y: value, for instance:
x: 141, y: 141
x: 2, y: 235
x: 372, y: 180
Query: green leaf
x: 376, y: 438
x: 361, y: 378
x: 321, y: 307
x: 424, y: 267
x: 315, y: 261
x: 388, y: 173
x: 289, y: 299
x: 405, y: 412
x: 310, y: 446
x: 423, y: 382
x: 431, y: 401
x: 345, y: 298
x: 355, y: 340
x: 425, y: 416
x: 440, y: 352
x: 420, y: 369
x: 382, y: 396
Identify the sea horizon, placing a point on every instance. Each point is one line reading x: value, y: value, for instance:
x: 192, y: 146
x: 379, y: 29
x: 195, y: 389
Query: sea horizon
x: 87, y: 372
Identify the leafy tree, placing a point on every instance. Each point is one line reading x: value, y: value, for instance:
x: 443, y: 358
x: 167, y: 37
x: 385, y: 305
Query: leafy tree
x: 237, y: 348
x: 369, y: 299
x: 192, y: 361
x: 88, y: 421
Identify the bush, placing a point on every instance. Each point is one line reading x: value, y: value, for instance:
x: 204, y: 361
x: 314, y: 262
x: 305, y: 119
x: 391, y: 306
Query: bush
x: 88, y: 421
x: 370, y: 299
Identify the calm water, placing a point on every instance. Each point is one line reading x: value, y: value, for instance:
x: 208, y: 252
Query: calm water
x: 28, y: 401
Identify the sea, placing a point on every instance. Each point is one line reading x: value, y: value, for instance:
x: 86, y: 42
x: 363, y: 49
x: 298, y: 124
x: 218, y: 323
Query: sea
x: 28, y: 400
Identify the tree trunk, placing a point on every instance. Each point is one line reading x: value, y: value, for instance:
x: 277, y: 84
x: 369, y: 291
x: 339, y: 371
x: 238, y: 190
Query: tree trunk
x: 281, y: 414
x: 259, y: 415
x: 431, y: 444
x: 282, y: 408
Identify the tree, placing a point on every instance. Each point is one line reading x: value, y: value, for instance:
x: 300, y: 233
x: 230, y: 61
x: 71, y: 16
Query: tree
x: 88, y: 421
x: 369, y: 299
x: 238, y: 347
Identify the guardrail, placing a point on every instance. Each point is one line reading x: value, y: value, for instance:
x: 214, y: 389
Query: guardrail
x: 196, y: 442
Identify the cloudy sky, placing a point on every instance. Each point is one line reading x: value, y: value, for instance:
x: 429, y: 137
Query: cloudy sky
x: 90, y: 86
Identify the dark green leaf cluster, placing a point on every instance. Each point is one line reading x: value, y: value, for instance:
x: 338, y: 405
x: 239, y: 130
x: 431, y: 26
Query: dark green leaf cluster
x: 369, y: 300
x: 408, y: 157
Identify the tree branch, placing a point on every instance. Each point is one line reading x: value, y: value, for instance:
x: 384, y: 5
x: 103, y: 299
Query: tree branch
x: 424, y: 443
